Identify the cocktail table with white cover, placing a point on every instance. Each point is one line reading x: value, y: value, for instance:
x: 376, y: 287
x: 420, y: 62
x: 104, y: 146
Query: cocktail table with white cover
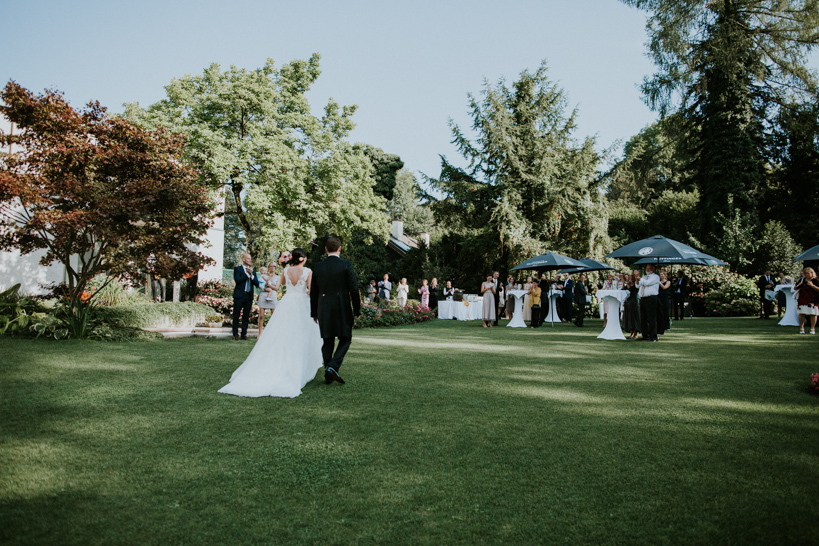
x: 791, y: 317
x: 552, y: 316
x: 517, y: 316
x: 613, y: 299
x: 459, y: 310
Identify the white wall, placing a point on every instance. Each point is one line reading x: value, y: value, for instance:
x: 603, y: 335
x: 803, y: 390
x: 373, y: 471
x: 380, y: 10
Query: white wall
x: 27, y: 271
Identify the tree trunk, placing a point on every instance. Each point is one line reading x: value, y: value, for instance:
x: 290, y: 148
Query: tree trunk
x: 250, y: 240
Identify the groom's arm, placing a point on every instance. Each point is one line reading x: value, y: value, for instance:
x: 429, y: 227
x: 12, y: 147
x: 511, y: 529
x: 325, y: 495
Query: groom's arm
x: 314, y: 295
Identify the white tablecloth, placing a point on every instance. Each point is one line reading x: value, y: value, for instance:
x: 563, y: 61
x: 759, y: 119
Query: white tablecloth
x: 552, y: 315
x: 791, y: 317
x: 457, y: 310
x: 517, y: 316
x: 613, y: 300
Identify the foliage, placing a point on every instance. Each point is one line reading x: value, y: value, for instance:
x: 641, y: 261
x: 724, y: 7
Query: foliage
x: 385, y: 168
x: 406, y: 205
x: 155, y: 315
x: 729, y: 63
x: 98, y: 194
x: 112, y: 292
x: 374, y: 317
x: 291, y: 175
x: 776, y: 250
x: 813, y: 388
x: 528, y: 187
x: 216, y: 288
x: 737, y: 243
x: 737, y: 297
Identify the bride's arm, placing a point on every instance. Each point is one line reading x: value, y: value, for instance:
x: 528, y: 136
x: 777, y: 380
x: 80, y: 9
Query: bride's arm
x: 309, y: 281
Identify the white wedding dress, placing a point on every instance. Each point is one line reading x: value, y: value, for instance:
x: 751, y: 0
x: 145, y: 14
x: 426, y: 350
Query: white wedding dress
x: 287, y: 354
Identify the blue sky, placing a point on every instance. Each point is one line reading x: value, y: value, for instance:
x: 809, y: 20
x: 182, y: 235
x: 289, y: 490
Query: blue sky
x: 408, y: 65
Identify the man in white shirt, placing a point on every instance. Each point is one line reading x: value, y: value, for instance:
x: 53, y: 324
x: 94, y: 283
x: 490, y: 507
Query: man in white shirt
x: 649, y: 288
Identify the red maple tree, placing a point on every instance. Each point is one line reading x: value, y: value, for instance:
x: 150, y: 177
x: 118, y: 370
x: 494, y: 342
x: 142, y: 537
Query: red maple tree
x: 99, y: 194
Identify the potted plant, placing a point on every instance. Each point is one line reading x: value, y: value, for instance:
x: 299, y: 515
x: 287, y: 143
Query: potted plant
x: 213, y: 321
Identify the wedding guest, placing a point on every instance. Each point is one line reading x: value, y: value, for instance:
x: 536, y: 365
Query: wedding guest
x: 535, y: 293
x: 371, y: 291
x: 402, y: 293
x: 501, y: 299
x: 679, y: 291
x: 424, y: 291
x: 496, y: 281
x: 245, y: 278
x: 384, y: 288
x: 631, y: 307
x: 268, y: 295
x: 433, y: 293
x: 488, y: 291
x: 510, y: 307
x: 663, y: 323
x: 449, y: 292
x: 568, y: 297
x: 580, y: 293
x: 527, y: 305
x: 765, y: 283
x: 649, y: 288
x: 808, y: 299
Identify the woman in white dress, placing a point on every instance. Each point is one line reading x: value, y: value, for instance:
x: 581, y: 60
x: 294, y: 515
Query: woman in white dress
x: 288, y: 353
x: 488, y: 291
x: 268, y: 297
x: 403, y: 293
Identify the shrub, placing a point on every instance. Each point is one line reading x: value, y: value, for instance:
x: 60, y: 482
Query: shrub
x: 156, y: 315
x: 737, y: 297
x: 114, y: 293
x: 373, y: 317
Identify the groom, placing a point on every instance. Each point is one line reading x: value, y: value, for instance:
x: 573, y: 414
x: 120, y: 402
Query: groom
x: 334, y: 300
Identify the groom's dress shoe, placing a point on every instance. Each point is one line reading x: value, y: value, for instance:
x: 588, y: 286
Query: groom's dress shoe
x: 333, y: 376
x: 235, y: 338
x: 327, y: 377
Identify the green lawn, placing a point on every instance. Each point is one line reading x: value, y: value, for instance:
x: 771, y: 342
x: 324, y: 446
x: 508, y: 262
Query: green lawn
x: 446, y: 433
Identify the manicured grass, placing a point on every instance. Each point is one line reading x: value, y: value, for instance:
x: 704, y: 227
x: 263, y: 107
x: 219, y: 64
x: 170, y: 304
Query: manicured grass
x: 445, y: 433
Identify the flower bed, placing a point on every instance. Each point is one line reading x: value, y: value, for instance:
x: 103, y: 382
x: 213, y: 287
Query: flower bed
x: 374, y: 317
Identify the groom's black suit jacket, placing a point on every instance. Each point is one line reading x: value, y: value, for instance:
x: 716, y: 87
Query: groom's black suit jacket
x: 334, y: 298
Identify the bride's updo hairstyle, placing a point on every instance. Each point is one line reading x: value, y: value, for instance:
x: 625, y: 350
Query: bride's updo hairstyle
x: 298, y: 256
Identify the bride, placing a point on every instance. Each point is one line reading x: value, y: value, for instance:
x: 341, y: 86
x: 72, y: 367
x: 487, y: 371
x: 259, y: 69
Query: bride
x: 288, y: 352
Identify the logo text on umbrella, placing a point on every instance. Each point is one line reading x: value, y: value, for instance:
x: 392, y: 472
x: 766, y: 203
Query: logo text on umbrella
x: 645, y: 251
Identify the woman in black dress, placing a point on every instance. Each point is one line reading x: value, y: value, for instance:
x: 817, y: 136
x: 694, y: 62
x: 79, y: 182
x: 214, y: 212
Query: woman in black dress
x: 433, y: 294
x: 662, y: 304
x: 631, y: 307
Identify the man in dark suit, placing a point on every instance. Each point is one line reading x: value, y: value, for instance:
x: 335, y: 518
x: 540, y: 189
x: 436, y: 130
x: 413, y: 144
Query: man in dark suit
x: 764, y: 283
x: 679, y: 290
x: 580, y: 293
x: 334, y: 302
x: 246, y: 279
x: 568, y: 297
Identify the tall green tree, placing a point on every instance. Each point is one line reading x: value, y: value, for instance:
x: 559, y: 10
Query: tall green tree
x: 528, y: 185
x: 725, y: 64
x: 406, y: 205
x: 385, y: 168
x: 291, y: 175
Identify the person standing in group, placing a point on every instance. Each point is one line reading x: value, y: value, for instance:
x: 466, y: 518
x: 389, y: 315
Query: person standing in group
x: 535, y: 293
x: 509, y: 308
x: 268, y: 295
x: 580, y: 293
x: 527, y: 306
x: 765, y: 283
x: 663, y: 322
x: 449, y: 291
x: 424, y: 291
x: 649, y: 289
x: 334, y: 306
x: 246, y: 279
x: 631, y: 307
x: 568, y: 297
x: 384, y: 288
x: 497, y: 283
x: 433, y: 293
x: 402, y: 293
x: 488, y: 292
x: 501, y: 299
x: 808, y: 299
x: 679, y: 291
x: 371, y: 291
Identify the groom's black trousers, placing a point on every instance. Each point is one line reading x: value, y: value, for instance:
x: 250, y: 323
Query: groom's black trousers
x: 334, y: 360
